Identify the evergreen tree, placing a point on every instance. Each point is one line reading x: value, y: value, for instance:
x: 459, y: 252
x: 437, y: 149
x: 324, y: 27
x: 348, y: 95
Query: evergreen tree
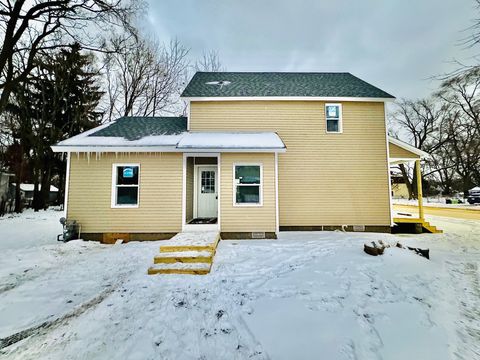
x: 58, y: 101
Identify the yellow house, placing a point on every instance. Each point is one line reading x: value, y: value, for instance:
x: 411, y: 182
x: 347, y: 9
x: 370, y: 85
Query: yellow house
x: 258, y: 153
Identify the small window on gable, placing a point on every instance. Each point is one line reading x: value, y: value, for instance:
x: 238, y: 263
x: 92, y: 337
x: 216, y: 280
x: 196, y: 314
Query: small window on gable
x: 125, y: 189
x: 248, y: 184
x: 333, y: 116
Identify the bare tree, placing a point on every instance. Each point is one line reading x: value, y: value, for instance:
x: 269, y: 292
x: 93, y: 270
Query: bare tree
x: 210, y: 61
x: 421, y: 123
x: 29, y: 27
x: 143, y: 78
x: 462, y: 94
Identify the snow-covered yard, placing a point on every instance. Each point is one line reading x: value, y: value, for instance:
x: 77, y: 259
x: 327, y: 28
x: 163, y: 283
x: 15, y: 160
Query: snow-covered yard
x: 306, y: 296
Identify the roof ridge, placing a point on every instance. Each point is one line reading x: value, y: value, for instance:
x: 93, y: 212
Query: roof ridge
x: 330, y: 84
x: 273, y: 72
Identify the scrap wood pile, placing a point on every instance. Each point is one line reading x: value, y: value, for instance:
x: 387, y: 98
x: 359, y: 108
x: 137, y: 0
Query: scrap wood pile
x: 377, y: 248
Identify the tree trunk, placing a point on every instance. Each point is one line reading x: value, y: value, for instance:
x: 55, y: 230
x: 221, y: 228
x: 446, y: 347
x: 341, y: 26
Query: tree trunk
x: 36, y: 202
x: 411, y: 191
x: 45, y: 188
x: 467, y: 184
x: 18, y: 194
x: 61, y: 187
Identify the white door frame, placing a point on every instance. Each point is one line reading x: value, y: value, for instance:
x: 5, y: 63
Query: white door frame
x: 200, y: 227
x: 196, y: 184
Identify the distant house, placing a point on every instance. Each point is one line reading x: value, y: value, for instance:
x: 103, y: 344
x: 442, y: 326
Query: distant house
x: 399, y: 187
x: 258, y: 153
x: 26, y: 191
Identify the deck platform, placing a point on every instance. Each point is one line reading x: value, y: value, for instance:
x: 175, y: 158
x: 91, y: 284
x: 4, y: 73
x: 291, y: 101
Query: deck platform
x: 425, y: 225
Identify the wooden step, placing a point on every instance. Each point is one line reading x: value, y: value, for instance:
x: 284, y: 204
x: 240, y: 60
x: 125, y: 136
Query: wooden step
x: 431, y: 228
x: 177, y: 248
x: 184, y: 257
x: 180, y: 268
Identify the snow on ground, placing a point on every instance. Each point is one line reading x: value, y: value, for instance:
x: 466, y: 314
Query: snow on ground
x: 437, y: 202
x: 306, y: 296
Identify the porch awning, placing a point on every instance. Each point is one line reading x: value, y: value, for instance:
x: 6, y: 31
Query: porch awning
x: 401, y: 152
x: 91, y: 141
x: 231, y: 141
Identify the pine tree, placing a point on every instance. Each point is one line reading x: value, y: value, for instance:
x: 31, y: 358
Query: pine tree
x: 59, y: 100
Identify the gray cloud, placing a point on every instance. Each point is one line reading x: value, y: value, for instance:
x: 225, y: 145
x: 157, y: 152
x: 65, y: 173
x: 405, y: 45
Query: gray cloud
x: 396, y: 45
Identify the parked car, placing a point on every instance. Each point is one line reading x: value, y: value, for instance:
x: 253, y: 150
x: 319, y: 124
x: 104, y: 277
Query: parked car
x: 474, y: 195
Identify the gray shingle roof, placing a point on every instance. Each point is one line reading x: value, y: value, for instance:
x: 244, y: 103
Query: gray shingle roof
x: 137, y: 127
x: 239, y: 84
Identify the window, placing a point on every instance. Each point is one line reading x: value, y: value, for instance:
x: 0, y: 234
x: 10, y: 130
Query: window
x: 333, y: 115
x: 125, y: 185
x: 248, y: 184
x: 208, y: 182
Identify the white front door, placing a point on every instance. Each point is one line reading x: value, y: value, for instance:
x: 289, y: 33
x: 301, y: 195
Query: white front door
x: 207, y: 191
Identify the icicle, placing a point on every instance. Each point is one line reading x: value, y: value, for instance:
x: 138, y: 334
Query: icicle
x: 88, y: 157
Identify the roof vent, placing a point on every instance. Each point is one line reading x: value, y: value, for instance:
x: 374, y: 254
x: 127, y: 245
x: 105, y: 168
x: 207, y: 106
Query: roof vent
x: 220, y: 83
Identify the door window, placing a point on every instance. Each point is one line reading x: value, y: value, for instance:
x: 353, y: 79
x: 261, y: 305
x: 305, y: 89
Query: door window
x: 208, y: 182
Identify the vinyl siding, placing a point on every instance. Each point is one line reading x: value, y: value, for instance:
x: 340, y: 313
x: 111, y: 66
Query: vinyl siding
x: 398, y: 152
x: 189, y: 190
x: 160, y: 207
x: 247, y: 218
x: 324, y: 179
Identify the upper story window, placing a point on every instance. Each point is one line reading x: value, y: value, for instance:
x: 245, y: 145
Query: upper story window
x: 247, y: 184
x: 333, y: 116
x: 125, y: 185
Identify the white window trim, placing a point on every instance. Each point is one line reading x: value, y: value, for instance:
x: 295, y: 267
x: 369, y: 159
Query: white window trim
x: 114, y: 204
x: 234, y: 197
x: 340, y: 118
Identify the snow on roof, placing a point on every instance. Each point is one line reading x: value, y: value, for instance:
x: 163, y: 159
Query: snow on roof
x: 156, y: 140
x: 231, y: 140
x: 85, y: 139
x: 30, y: 187
x: 236, y: 141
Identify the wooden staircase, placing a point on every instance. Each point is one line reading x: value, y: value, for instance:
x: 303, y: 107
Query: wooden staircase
x: 431, y: 228
x: 186, y: 253
x: 426, y: 226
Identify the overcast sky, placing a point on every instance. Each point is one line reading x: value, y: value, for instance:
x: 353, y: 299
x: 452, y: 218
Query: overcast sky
x: 393, y: 44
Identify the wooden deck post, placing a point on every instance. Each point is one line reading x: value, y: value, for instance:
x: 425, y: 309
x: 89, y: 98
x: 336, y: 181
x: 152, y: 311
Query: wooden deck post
x: 419, y: 189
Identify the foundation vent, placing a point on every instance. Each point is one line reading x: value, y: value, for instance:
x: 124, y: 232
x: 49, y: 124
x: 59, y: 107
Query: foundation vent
x: 359, y: 228
x: 258, y: 235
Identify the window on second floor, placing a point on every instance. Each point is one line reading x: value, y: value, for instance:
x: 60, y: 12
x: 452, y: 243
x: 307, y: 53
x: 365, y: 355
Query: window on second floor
x: 333, y: 116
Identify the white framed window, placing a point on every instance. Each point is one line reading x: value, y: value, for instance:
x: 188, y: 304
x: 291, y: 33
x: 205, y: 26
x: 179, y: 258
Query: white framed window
x: 247, y: 184
x: 125, y: 185
x: 333, y: 117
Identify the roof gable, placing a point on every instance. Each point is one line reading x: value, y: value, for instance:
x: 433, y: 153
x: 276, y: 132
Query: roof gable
x: 280, y: 84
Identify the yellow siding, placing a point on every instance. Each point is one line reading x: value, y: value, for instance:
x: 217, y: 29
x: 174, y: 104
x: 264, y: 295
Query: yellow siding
x: 398, y: 152
x: 324, y: 179
x: 160, y: 209
x: 247, y: 218
x: 189, y: 189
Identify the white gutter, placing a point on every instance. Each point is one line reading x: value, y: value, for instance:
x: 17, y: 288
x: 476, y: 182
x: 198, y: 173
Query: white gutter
x: 150, y: 149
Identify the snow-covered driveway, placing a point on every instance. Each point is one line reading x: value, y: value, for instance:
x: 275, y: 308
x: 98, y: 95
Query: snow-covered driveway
x: 306, y: 296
